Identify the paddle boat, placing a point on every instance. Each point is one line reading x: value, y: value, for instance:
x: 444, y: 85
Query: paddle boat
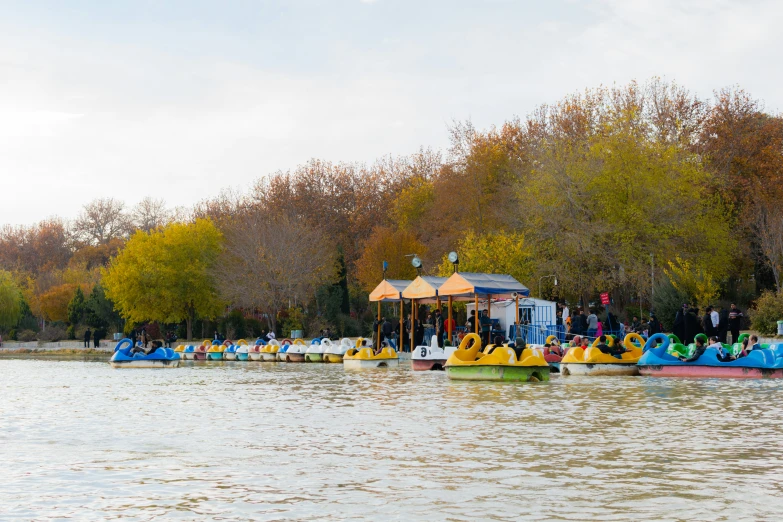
x: 334, y: 352
x: 200, y: 352
x: 180, y: 350
x: 362, y: 356
x: 295, y: 352
x: 431, y: 357
x: 243, y: 350
x: 230, y: 351
x: 765, y: 363
x: 495, y: 363
x: 160, y: 358
x: 315, y: 352
x: 269, y: 350
x: 285, y: 344
x: 592, y: 361
x: 215, y: 351
x: 254, y: 353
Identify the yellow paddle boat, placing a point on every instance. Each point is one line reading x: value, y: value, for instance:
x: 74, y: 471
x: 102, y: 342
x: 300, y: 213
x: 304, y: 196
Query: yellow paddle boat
x: 269, y: 351
x: 334, y: 352
x: 215, y: 351
x: 495, y: 363
x: 364, y: 357
x: 592, y: 361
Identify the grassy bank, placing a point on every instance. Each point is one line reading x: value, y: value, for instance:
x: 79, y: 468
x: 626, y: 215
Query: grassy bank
x: 67, y: 353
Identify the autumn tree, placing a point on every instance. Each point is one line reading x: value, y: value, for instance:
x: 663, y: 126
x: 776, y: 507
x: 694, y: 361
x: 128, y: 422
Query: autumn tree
x: 166, y: 275
x: 492, y: 253
x: 392, y: 246
x: 31, y: 249
x: 271, y: 261
x: 150, y: 214
x: 101, y: 221
x: 10, y: 301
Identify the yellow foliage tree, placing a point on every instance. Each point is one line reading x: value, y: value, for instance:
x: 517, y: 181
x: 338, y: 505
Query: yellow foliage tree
x: 695, y: 282
x: 164, y: 275
x: 10, y: 300
x: 413, y: 202
x: 493, y: 253
x: 391, y: 246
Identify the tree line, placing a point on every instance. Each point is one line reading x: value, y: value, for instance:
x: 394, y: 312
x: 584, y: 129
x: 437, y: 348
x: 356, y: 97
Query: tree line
x: 645, y: 191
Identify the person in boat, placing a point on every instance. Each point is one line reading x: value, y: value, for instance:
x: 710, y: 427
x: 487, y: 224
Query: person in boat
x: 754, y: 343
x: 700, y: 348
x: 519, y: 348
x: 154, y: 345
x: 614, y: 351
x: 723, y: 355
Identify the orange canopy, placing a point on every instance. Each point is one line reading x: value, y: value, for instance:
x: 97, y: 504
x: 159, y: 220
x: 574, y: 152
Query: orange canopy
x: 469, y: 284
x: 389, y: 290
x: 423, y: 287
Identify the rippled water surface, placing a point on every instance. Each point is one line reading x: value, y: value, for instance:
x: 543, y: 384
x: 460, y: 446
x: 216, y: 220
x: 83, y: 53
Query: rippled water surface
x: 260, y: 441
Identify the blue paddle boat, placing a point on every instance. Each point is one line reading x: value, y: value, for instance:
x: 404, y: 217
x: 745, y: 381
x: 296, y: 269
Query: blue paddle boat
x: 766, y: 363
x: 160, y: 358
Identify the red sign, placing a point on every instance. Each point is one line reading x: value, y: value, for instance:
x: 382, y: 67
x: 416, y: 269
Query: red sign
x: 605, y: 298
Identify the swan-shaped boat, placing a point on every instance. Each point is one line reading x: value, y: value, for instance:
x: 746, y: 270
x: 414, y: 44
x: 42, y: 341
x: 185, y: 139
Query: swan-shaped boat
x: 431, y: 357
x: 765, y: 363
x: 592, y: 361
x: 200, y: 351
x: 269, y: 350
x: 160, y: 358
x: 230, y: 351
x: 180, y: 350
x: 255, y: 350
x: 242, y: 350
x: 362, y: 356
x: 215, y: 351
x: 294, y: 352
x: 315, y: 352
x: 334, y: 352
x: 495, y: 363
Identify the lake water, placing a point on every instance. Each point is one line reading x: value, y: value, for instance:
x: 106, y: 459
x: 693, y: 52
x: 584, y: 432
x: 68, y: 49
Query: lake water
x: 260, y: 441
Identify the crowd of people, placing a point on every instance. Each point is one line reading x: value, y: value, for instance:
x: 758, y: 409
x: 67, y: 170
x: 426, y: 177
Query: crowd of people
x: 583, y: 323
x: 714, y: 323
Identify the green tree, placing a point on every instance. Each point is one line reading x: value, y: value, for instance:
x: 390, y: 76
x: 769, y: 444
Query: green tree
x: 76, y: 308
x: 165, y: 275
x: 99, y: 310
x: 492, y: 253
x: 10, y: 301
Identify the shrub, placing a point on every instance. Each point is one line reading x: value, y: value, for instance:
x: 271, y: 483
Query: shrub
x: 767, y: 312
x: 26, y: 336
x: 667, y: 301
x: 52, y: 333
x: 12, y: 334
x: 71, y: 332
x: 236, y: 325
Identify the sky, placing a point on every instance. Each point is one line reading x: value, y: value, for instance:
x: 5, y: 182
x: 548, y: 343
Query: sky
x: 180, y: 99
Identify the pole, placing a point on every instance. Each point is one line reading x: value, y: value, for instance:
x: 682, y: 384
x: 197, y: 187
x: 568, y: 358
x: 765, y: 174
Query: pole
x: 402, y: 329
x: 516, y: 329
x: 476, y: 319
x: 652, y: 277
x: 449, y: 319
x: 378, y: 346
x: 413, y: 324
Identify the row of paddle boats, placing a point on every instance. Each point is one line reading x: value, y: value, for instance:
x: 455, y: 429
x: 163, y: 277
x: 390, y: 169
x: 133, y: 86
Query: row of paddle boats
x: 657, y: 356
x: 352, y: 354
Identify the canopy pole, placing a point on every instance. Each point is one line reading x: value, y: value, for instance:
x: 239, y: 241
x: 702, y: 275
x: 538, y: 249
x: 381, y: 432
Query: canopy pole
x: 449, y: 329
x: 378, y: 347
x: 476, y: 318
x: 516, y: 329
x: 413, y: 323
x: 402, y: 330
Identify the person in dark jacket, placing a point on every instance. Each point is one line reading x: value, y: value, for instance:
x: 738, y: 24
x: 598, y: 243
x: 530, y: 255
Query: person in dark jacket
x: 700, y: 347
x: 706, y: 322
x: 735, y: 320
x: 96, y: 337
x: 723, y: 325
x: 87, y: 337
x: 692, y: 325
x: 654, y: 326
x: 387, y: 329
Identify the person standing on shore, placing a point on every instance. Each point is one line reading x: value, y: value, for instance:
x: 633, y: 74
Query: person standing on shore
x: 735, y: 319
x: 87, y: 336
x: 96, y: 337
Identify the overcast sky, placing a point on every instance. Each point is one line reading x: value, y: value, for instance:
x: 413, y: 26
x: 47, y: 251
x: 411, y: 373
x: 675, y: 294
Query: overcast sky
x: 178, y: 99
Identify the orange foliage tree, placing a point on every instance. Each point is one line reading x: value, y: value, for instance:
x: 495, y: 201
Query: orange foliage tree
x: 387, y: 244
